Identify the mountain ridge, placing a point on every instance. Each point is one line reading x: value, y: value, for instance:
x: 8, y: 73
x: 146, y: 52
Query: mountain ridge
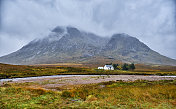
x: 69, y: 44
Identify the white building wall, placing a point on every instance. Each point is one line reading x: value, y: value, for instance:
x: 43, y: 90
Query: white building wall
x: 108, y: 68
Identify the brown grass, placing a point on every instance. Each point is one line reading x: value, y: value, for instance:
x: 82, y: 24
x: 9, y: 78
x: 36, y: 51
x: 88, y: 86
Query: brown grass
x: 13, y: 71
x: 113, y: 95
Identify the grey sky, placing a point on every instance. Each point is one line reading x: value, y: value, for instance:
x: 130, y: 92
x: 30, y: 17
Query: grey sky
x: 151, y: 21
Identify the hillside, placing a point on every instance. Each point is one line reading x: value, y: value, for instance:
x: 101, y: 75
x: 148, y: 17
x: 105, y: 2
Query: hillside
x: 68, y: 44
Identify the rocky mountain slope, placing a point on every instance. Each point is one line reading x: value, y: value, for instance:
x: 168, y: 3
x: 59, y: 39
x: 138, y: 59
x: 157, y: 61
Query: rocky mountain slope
x: 68, y: 44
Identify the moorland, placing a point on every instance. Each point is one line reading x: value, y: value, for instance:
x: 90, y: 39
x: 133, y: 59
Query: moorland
x: 107, y: 93
x: 14, y: 71
x: 111, y: 95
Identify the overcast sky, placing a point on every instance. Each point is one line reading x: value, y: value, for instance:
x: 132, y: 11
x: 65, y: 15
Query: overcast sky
x: 151, y: 21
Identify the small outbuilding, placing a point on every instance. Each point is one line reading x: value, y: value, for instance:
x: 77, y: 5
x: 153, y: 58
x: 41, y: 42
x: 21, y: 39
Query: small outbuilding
x: 100, y: 67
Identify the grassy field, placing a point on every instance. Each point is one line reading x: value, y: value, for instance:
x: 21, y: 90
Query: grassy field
x: 13, y: 71
x: 109, y: 95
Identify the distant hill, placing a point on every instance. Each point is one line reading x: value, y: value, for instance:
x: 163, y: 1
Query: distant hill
x: 69, y: 44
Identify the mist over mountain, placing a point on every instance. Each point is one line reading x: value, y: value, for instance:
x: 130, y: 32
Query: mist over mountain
x: 24, y: 20
x: 69, y: 44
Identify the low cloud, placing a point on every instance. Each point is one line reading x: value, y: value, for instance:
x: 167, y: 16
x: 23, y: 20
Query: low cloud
x: 152, y: 21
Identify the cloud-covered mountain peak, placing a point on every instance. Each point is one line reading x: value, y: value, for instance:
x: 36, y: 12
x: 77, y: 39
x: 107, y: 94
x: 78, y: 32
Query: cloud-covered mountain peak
x: 70, y: 44
x: 117, y: 35
x: 59, y: 29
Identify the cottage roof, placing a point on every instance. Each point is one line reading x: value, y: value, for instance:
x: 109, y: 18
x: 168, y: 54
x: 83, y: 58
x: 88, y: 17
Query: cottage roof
x: 108, y: 66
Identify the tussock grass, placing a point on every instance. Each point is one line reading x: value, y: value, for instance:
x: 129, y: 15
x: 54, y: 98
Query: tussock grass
x: 128, y: 95
x: 138, y: 94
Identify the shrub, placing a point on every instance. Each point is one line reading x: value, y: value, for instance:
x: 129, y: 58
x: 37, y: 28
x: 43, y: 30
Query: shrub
x: 66, y: 94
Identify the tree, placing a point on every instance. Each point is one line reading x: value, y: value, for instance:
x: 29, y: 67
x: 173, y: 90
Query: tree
x: 132, y: 66
x: 119, y: 67
x: 125, y: 66
x: 115, y: 66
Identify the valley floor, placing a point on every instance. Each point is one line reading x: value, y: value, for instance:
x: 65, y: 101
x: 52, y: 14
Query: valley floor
x: 80, y: 88
x: 93, y: 91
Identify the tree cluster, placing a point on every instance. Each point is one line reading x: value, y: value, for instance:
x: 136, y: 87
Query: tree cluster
x: 128, y: 66
x: 125, y: 66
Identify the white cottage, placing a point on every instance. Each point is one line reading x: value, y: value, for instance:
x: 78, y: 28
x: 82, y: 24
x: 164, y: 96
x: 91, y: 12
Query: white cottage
x: 108, y: 67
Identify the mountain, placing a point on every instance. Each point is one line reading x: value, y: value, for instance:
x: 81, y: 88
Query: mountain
x: 68, y: 44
